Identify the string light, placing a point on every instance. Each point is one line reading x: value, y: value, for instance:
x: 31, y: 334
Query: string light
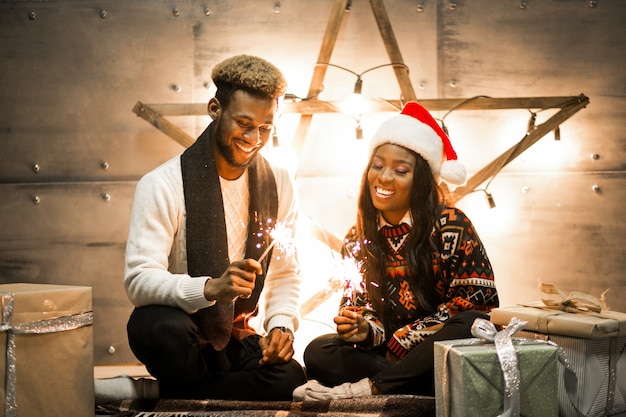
x: 355, y: 105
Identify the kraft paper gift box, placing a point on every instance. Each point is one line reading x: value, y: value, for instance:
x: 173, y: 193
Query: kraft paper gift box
x: 595, y: 345
x: 469, y: 380
x: 47, y: 351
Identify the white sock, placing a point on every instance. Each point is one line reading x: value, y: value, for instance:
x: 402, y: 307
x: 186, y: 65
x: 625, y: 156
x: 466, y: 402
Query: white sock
x: 313, y: 390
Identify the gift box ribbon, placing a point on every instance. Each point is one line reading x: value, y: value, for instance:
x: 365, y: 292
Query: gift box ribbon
x: 507, y: 355
x: 59, y: 324
x: 575, y: 302
x: 486, y: 332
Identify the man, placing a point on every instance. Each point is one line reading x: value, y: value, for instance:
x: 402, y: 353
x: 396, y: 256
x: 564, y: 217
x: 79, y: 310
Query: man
x: 198, y: 226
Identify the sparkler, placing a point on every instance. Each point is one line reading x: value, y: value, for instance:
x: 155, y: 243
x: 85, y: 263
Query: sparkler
x: 282, y: 237
x: 348, y: 277
x: 350, y: 270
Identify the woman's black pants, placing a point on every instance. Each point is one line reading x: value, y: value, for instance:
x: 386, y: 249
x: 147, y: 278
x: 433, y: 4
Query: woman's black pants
x: 332, y: 361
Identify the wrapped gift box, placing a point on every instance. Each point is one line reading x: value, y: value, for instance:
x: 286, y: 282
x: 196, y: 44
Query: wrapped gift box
x: 469, y: 380
x: 548, y: 321
x: 595, y: 347
x: 47, y: 351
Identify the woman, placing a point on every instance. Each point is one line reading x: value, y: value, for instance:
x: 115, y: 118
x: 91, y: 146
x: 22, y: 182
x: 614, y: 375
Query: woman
x: 426, y: 275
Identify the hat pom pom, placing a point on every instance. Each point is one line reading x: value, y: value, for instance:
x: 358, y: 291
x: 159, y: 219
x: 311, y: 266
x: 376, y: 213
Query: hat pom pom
x: 453, y: 173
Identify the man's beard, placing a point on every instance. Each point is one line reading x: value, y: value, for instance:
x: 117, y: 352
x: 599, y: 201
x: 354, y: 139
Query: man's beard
x: 229, y: 156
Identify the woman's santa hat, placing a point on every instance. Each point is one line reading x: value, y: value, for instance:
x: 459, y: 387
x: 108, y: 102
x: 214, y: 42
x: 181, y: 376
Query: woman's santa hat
x: 415, y: 129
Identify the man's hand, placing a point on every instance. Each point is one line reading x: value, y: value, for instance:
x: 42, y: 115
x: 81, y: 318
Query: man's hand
x: 236, y: 282
x: 351, y: 326
x: 277, y: 347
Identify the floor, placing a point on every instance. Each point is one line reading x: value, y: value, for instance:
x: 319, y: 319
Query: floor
x: 138, y: 370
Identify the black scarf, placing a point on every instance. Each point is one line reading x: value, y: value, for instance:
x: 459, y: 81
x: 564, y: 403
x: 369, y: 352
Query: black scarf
x: 207, y: 245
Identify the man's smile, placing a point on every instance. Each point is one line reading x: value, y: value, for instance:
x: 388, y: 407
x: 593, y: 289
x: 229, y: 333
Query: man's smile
x: 245, y: 147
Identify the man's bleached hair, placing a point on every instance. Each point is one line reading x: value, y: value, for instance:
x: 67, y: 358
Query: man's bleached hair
x: 249, y: 73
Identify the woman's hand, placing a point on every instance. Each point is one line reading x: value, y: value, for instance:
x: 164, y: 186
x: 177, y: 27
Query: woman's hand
x: 351, y: 326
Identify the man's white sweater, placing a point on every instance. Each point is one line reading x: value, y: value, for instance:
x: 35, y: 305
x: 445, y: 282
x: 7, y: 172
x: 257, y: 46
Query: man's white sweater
x: 156, y: 253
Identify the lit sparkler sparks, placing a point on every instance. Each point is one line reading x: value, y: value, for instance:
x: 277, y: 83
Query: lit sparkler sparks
x: 350, y: 270
x: 282, y: 238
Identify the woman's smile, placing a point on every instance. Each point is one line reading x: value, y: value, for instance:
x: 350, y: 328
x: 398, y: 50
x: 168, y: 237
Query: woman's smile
x: 390, y: 178
x: 384, y: 192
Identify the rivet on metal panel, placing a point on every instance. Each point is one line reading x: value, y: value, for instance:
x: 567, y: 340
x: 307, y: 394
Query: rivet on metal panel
x: 36, y: 200
x: 452, y: 7
x: 106, y: 197
x: 104, y: 165
x: 594, y: 156
x: 453, y: 83
x: 596, y: 188
x: 207, y: 12
x: 111, y: 350
x: 420, y: 8
x: 36, y: 168
x: 523, y: 5
x: 32, y: 15
x: 175, y: 12
x: 277, y: 7
x: 177, y: 88
x: 593, y: 4
x: 103, y: 14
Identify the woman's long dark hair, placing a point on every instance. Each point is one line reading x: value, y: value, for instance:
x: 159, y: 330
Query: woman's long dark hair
x: 425, y: 205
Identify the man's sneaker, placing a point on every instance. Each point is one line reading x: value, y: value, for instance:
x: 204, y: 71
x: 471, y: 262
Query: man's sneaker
x: 124, y: 387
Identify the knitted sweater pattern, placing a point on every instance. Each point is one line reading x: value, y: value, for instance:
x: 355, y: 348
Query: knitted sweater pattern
x: 156, y: 261
x: 464, y: 276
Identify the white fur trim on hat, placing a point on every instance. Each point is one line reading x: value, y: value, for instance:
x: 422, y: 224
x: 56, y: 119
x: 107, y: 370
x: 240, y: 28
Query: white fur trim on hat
x: 412, y: 134
x: 453, y: 173
x: 416, y: 130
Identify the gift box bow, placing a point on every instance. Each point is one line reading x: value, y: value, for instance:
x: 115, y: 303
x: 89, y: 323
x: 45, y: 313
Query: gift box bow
x: 575, y: 314
x: 575, y: 302
x: 53, y: 325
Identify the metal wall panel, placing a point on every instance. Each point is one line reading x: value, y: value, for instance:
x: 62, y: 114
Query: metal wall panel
x: 72, y: 234
x: 552, y: 48
x: 557, y: 228
x: 70, y: 79
x: 73, y: 70
x: 560, y: 231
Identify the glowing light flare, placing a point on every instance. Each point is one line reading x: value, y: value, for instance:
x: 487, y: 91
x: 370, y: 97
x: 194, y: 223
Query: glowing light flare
x: 282, y: 238
x: 354, y: 106
x: 282, y: 156
x: 350, y: 271
x: 498, y: 222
